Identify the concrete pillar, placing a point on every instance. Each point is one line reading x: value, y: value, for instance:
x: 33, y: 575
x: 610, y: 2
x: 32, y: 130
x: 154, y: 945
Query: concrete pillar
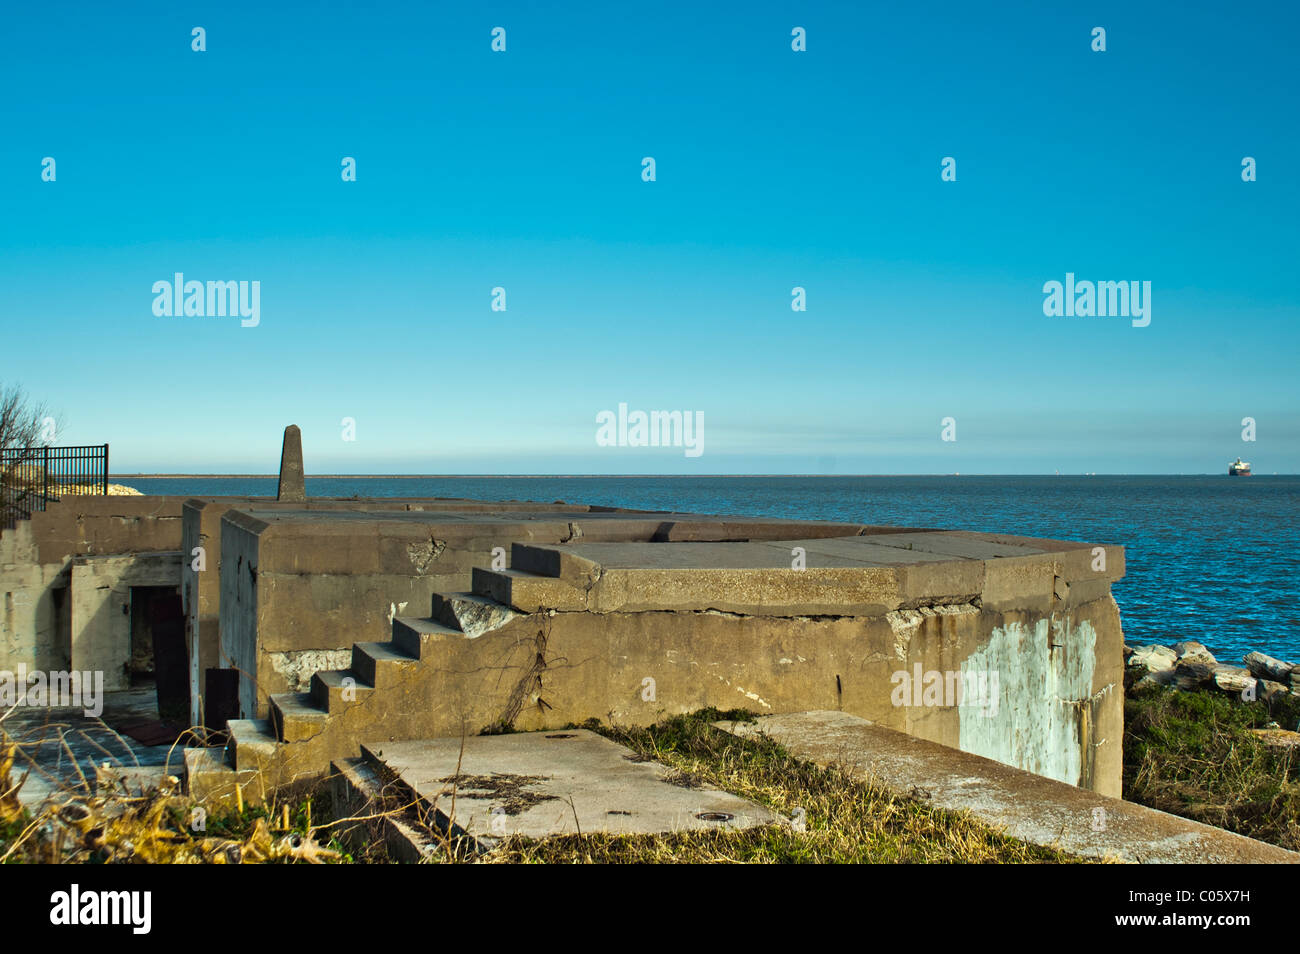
x: 292, y: 486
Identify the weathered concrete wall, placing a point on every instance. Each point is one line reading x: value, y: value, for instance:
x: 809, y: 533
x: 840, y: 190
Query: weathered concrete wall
x: 573, y: 632
x: 33, y: 618
x: 323, y: 580
x: 1057, y: 709
x: 34, y: 621
x: 89, y: 525
x: 36, y: 566
x: 544, y: 672
x: 201, y: 590
x: 1069, y: 660
x: 101, y: 603
x: 239, y: 606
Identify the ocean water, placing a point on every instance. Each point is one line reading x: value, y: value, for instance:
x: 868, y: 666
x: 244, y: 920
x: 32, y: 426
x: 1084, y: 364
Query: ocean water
x: 1215, y: 559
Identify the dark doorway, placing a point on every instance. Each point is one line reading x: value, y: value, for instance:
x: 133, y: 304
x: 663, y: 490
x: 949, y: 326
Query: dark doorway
x: 158, y: 648
x: 221, y: 699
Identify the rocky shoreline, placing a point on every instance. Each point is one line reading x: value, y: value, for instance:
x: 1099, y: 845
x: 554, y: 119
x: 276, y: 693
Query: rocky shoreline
x: 1189, y: 666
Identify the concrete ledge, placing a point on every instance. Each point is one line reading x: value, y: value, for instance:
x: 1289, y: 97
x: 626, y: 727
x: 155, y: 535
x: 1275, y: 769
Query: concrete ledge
x: 358, y: 793
x: 1029, y: 807
x: 866, y: 574
x: 210, y: 781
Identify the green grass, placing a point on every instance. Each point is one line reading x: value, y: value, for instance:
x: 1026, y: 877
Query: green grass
x: 10, y: 830
x: 845, y: 819
x: 1192, y: 754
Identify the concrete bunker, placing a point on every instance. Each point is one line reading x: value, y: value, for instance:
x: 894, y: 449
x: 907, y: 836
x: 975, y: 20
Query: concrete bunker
x: 125, y: 616
x: 323, y: 615
x: 311, y: 626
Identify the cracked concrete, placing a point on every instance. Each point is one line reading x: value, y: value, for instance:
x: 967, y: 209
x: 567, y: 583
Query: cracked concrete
x: 1028, y: 806
x: 424, y: 554
x: 297, y: 668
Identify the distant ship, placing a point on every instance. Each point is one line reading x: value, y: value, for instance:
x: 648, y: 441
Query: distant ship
x: 1239, y: 468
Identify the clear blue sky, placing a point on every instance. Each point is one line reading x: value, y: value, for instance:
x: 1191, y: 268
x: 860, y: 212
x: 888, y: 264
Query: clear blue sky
x: 522, y: 169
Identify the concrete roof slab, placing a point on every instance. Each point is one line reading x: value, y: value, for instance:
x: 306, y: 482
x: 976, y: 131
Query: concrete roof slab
x: 858, y: 550
x: 694, y: 556
x: 968, y: 546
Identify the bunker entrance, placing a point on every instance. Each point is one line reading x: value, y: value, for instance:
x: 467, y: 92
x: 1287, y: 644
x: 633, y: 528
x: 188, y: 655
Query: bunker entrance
x: 221, y: 698
x: 158, y: 652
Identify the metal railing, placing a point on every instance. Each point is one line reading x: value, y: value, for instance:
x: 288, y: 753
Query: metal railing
x: 31, y: 477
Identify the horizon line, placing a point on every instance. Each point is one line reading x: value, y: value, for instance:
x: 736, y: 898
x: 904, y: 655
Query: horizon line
x: 160, y: 476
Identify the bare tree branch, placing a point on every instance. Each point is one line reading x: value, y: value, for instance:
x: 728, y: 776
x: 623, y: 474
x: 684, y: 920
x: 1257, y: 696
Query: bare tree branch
x: 26, y: 428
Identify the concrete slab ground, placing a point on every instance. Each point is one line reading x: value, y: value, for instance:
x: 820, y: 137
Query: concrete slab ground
x: 541, y: 784
x: 1029, y: 807
x: 60, y: 747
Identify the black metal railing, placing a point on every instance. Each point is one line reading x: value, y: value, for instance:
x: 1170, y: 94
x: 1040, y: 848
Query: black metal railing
x: 31, y: 477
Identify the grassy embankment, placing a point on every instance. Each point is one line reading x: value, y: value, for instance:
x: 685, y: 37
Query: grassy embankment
x: 841, y: 819
x: 1188, y: 753
x: 1193, y: 754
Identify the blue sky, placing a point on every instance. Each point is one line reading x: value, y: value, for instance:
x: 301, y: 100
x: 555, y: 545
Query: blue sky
x: 774, y: 169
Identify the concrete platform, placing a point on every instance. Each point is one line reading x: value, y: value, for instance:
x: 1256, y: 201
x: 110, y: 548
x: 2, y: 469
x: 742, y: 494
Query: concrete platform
x: 59, y: 748
x: 864, y: 550
x: 1029, y: 807
x: 540, y: 784
x: 869, y: 573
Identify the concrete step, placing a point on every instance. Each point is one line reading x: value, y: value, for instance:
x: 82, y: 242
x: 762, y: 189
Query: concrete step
x: 335, y: 689
x: 253, y: 745
x: 209, y: 780
x: 472, y: 615
x: 296, y: 716
x: 358, y: 793
x: 415, y: 637
x: 528, y: 592
x: 383, y: 665
x: 554, y: 562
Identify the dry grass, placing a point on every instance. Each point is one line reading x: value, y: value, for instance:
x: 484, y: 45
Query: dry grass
x: 840, y: 819
x: 835, y: 818
x: 102, y: 824
x: 1193, y: 754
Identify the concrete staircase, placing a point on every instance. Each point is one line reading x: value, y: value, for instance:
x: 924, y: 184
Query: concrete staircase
x: 392, y: 690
